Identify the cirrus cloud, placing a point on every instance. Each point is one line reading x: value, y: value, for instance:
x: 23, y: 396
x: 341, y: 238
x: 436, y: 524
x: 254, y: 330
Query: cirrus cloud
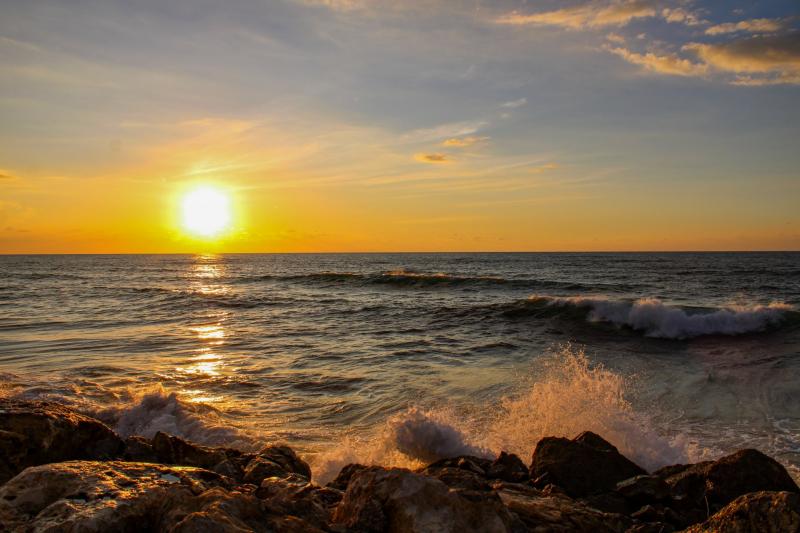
x: 588, y: 15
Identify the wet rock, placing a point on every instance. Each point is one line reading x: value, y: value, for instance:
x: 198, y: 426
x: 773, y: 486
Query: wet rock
x: 139, y: 449
x: 459, y: 478
x: 478, y: 465
x: 176, y: 451
x: 295, y: 495
x: 343, y: 477
x: 260, y: 468
x: 557, y: 512
x: 641, y: 490
x: 103, y: 496
x: 379, y: 499
x: 286, y: 459
x: 38, y: 432
x: 508, y: 467
x: 758, y: 512
x: 719, y: 482
x: 584, y: 465
x: 609, y: 502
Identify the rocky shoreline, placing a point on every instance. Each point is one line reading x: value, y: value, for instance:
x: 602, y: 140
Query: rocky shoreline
x: 63, y: 471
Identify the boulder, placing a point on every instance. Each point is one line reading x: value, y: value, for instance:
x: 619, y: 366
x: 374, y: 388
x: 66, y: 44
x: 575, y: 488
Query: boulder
x: 342, y: 479
x: 39, y: 432
x: 556, y: 512
x: 719, y: 482
x: 508, y: 467
x: 583, y: 466
x: 294, y: 495
x: 757, y: 512
x: 642, y: 490
x: 286, y: 459
x: 395, y: 500
x: 176, y: 451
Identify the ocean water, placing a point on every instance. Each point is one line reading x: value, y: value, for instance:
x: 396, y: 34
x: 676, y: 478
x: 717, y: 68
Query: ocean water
x: 403, y: 358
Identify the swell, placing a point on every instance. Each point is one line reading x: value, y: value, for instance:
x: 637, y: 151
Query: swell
x: 654, y: 318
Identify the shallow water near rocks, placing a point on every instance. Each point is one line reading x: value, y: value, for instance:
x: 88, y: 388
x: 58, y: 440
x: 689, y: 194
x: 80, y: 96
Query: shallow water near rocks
x: 402, y: 358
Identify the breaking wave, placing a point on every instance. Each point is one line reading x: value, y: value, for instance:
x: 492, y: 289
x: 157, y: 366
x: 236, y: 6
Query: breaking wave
x: 568, y: 396
x: 657, y: 319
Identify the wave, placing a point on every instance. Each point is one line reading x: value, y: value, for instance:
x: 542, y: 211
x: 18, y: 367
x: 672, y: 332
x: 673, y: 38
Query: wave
x: 568, y: 396
x: 657, y: 319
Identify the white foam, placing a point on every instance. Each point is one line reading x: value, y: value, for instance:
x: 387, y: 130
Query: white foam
x: 568, y: 396
x: 657, y: 319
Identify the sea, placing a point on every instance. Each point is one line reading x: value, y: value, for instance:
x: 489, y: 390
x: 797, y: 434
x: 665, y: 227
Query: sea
x: 400, y: 359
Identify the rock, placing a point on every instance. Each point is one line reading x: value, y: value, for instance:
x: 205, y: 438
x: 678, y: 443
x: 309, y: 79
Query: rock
x: 260, y: 468
x: 343, y: 477
x: 556, y: 512
x: 399, y: 500
x: 38, y: 432
x: 508, y: 467
x: 584, y: 465
x: 474, y: 464
x: 286, y: 459
x: 176, y: 451
x: 131, y: 497
x: 459, y: 478
x: 719, y: 482
x: 295, y: 495
x: 139, y: 449
x: 641, y: 490
x: 758, y: 512
x: 609, y: 502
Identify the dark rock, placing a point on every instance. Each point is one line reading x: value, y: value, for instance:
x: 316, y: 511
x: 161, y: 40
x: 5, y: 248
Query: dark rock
x: 295, y: 495
x: 641, y: 490
x: 508, y: 467
x: 584, y: 465
x: 379, y: 499
x: 37, y: 432
x: 343, y: 478
x: 719, y: 482
x: 556, y: 512
x: 260, y: 468
x: 474, y: 464
x: 459, y: 478
x: 139, y: 449
x: 758, y: 512
x: 287, y: 459
x: 176, y: 451
x: 608, y: 502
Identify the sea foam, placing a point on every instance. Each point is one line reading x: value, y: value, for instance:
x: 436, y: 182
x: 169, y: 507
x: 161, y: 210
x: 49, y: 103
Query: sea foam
x: 569, y: 395
x: 657, y: 319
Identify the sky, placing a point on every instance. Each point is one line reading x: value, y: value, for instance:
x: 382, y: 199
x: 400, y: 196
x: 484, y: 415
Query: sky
x: 371, y: 125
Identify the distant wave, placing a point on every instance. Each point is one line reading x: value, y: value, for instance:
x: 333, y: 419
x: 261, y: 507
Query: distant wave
x: 414, y: 279
x: 657, y: 319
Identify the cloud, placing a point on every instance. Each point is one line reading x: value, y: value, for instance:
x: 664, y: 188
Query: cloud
x: 615, y: 38
x: 683, y: 16
x: 443, y: 131
x: 461, y: 142
x: 750, y: 26
x: 588, y: 15
x: 773, y: 59
x: 433, y: 158
x: 515, y: 103
x: 663, y: 64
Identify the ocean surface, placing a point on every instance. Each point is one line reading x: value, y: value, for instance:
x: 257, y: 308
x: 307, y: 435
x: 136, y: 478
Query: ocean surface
x: 403, y: 358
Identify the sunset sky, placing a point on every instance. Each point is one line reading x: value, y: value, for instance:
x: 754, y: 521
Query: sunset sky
x: 364, y: 125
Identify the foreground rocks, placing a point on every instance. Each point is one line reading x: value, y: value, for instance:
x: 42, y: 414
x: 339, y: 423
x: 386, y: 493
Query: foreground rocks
x: 63, y: 471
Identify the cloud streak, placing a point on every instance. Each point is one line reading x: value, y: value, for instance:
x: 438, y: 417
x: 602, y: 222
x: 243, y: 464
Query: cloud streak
x: 588, y: 15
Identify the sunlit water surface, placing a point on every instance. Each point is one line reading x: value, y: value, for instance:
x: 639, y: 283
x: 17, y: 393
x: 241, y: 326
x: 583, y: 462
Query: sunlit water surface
x: 401, y: 358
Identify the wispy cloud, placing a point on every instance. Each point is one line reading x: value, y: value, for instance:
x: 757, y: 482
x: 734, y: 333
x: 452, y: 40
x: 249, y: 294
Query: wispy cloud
x: 515, y: 103
x: 462, y: 142
x: 433, y: 158
x: 681, y: 15
x: 444, y: 131
x: 663, y: 64
x: 587, y: 15
x: 750, y: 26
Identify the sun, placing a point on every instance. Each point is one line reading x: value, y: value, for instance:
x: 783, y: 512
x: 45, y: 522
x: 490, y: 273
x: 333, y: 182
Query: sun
x: 206, y: 211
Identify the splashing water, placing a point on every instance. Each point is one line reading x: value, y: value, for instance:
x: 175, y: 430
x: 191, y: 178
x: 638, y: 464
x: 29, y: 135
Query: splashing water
x: 568, y: 397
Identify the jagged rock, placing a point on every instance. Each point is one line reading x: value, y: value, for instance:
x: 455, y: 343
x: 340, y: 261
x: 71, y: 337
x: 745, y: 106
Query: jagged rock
x: 139, y: 449
x: 174, y: 450
x: 38, y: 432
x: 295, y: 495
x: 508, y: 467
x: 286, y: 459
x: 584, y: 465
x: 719, y: 482
x: 556, y: 512
x: 644, y: 489
x: 260, y: 468
x: 474, y: 464
x: 379, y: 499
x: 343, y: 477
x: 609, y: 502
x: 758, y: 512
x: 459, y: 478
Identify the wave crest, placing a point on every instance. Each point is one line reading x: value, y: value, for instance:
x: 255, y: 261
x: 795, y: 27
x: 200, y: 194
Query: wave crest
x: 657, y: 319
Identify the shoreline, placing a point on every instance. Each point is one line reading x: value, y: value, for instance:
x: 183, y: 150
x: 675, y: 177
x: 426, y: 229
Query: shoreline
x: 64, y: 471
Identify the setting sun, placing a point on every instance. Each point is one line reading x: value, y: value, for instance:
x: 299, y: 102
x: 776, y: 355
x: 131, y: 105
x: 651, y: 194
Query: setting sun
x: 205, y: 211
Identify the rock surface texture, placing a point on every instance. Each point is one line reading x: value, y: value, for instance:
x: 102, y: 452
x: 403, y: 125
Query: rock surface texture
x: 61, y: 471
